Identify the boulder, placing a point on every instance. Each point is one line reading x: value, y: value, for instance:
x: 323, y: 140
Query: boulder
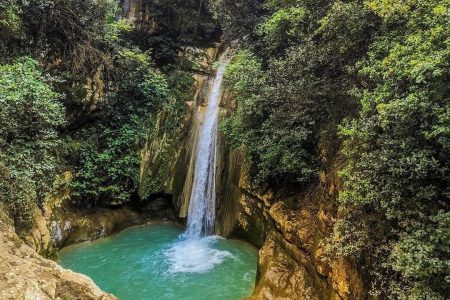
x: 24, y: 274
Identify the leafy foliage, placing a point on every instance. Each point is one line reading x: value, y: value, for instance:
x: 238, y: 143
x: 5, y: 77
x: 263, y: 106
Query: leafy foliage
x: 238, y: 17
x: 397, y: 150
x: 269, y: 138
x: 288, y: 100
x: 112, y: 91
x: 30, y: 113
x: 109, y: 160
x: 10, y: 22
x: 373, y: 76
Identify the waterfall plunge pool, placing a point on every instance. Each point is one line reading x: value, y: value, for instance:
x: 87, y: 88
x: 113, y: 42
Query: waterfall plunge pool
x: 156, y: 262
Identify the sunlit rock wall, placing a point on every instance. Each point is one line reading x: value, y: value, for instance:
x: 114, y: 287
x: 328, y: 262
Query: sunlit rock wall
x: 24, y: 274
x: 290, y: 232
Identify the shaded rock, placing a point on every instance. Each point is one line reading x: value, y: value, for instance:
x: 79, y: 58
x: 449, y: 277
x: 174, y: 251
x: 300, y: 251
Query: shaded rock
x: 60, y: 224
x: 71, y: 226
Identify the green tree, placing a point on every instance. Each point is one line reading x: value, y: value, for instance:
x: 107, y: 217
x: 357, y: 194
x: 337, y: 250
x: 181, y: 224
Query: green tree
x: 30, y: 113
x: 289, y: 99
x: 397, y: 169
x: 109, y: 151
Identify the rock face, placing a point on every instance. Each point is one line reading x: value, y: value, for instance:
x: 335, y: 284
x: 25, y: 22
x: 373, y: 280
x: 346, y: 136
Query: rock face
x: 290, y: 233
x: 181, y: 172
x: 59, y: 224
x: 24, y: 274
x: 188, y: 20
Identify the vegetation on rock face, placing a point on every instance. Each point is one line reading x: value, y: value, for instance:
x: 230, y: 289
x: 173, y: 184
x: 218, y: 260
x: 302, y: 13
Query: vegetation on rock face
x: 30, y: 114
x: 296, y: 85
x: 80, y: 92
x: 369, y: 78
x: 84, y: 90
x: 107, y: 152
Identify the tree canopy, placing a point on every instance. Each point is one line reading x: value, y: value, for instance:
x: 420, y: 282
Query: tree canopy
x: 367, y: 81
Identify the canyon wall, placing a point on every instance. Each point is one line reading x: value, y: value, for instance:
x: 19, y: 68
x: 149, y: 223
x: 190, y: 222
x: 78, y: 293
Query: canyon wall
x: 290, y: 233
x: 24, y: 274
x: 178, y: 165
x: 289, y: 228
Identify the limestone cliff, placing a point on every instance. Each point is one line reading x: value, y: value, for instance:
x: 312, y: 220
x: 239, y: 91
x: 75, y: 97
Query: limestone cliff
x: 24, y: 274
x: 290, y: 233
x: 181, y: 164
x: 58, y: 223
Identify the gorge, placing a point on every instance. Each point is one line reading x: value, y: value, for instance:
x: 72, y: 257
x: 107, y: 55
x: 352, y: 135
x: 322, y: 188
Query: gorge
x: 224, y: 149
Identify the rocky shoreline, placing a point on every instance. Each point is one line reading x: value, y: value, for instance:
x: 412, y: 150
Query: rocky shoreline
x: 24, y: 274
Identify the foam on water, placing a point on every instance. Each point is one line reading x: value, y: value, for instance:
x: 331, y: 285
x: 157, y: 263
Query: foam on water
x: 195, y: 255
x: 135, y: 265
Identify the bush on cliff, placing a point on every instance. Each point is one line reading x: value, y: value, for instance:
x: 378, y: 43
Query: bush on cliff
x: 108, y: 152
x: 370, y: 77
x: 30, y: 114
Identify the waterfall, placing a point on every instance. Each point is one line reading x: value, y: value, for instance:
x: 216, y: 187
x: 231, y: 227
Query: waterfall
x: 202, y: 205
x: 196, y: 252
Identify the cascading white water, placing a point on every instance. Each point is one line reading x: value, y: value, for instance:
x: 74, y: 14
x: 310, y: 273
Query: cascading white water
x: 202, y: 205
x: 194, y: 253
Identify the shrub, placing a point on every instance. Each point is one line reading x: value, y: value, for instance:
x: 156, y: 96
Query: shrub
x: 30, y: 113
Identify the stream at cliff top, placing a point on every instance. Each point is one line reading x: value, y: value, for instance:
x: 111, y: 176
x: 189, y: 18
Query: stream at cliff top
x: 156, y: 262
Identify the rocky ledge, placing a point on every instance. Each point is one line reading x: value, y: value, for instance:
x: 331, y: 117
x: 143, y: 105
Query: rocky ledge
x: 24, y: 274
x: 58, y: 224
x: 290, y: 233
